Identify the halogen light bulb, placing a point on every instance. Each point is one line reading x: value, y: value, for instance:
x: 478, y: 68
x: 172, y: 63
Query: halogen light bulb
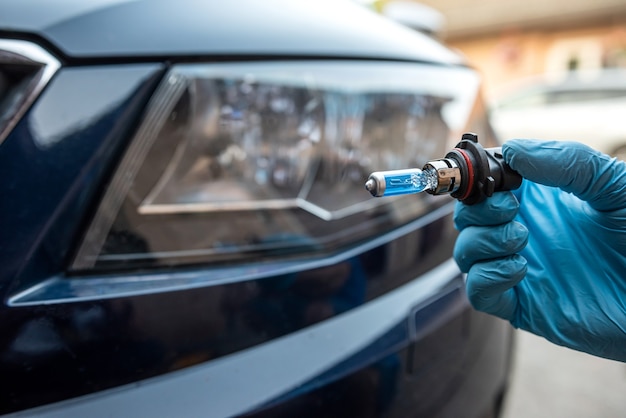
x: 469, y: 173
x: 398, y: 182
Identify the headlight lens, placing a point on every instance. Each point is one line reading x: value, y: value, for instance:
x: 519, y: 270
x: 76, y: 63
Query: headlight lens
x: 249, y: 161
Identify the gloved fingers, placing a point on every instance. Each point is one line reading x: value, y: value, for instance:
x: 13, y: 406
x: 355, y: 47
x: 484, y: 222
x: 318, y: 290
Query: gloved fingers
x: 490, y: 285
x: 575, y: 168
x: 496, y: 210
x: 479, y: 243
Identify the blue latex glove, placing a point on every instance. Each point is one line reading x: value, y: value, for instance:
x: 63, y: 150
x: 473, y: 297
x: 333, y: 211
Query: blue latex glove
x: 556, y: 264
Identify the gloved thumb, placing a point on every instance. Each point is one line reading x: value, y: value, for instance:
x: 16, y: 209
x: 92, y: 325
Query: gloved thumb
x: 575, y: 168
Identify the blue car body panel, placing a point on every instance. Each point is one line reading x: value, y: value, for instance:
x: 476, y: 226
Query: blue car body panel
x: 135, y: 29
x: 286, y: 368
x: 54, y: 161
x: 395, y: 339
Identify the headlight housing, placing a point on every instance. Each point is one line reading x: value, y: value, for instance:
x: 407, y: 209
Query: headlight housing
x: 252, y: 161
x: 25, y: 69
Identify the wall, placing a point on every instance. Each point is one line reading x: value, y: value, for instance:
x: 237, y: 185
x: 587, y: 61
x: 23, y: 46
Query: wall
x: 514, y: 54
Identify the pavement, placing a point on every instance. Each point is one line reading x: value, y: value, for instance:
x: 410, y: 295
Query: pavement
x: 552, y: 382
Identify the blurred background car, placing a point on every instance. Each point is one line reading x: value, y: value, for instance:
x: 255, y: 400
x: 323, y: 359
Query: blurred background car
x: 185, y: 229
x: 583, y: 106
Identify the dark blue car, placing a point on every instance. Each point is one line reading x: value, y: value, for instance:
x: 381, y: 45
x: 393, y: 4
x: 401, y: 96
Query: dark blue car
x: 184, y: 230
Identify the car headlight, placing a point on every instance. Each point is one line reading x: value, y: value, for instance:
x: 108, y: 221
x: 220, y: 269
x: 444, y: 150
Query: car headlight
x: 25, y: 69
x: 241, y: 162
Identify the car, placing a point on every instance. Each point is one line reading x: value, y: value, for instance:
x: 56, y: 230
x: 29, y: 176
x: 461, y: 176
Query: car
x: 584, y: 106
x: 185, y: 228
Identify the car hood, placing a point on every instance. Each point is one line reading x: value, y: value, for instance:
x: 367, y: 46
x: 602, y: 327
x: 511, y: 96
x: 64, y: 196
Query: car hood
x: 192, y: 28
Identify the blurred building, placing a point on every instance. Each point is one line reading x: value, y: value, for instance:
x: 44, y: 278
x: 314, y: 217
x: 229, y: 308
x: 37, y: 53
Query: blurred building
x: 512, y: 39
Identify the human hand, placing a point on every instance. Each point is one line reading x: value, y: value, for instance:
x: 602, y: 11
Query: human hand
x: 555, y: 265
